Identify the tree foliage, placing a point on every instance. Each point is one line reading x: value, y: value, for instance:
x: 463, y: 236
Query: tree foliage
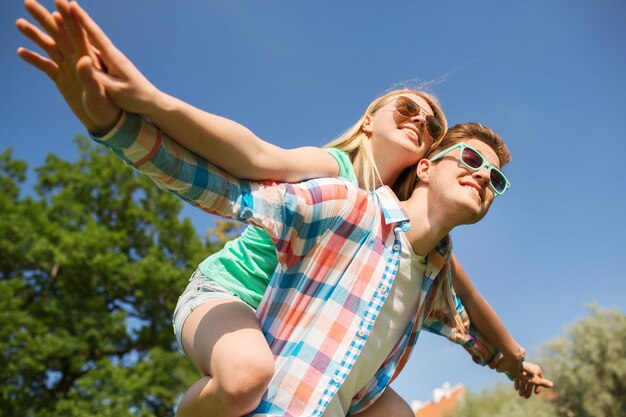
x: 503, y: 401
x: 91, y: 266
x: 588, y: 367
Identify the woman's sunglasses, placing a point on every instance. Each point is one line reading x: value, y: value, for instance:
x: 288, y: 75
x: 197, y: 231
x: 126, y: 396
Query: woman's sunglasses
x: 409, y: 109
x: 473, y: 160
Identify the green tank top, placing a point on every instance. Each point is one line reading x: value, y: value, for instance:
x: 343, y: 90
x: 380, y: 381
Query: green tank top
x: 245, y: 265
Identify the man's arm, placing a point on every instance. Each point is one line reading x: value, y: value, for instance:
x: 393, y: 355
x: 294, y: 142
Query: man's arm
x: 484, y: 353
x: 483, y: 316
x: 241, y: 152
x: 178, y: 170
x: 528, y: 376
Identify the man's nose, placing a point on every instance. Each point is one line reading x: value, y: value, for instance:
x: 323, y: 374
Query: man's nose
x: 482, y: 175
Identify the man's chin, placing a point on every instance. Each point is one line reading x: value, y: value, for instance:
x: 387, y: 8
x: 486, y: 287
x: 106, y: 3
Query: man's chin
x: 476, y: 216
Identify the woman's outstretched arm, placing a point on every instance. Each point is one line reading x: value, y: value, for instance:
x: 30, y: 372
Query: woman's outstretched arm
x: 242, y: 153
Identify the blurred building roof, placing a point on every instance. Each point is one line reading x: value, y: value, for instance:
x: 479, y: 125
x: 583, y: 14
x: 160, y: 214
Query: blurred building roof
x: 443, y: 403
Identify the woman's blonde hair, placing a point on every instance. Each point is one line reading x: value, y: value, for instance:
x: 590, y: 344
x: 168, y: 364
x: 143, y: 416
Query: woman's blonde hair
x: 355, y: 143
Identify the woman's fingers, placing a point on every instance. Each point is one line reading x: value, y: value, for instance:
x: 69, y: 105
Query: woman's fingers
x: 50, y: 25
x: 107, y: 49
x: 36, y: 60
x: 41, y: 39
x: 75, y: 34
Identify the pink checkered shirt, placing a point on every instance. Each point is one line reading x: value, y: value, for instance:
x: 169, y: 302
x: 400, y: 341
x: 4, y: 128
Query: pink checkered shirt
x: 338, y: 250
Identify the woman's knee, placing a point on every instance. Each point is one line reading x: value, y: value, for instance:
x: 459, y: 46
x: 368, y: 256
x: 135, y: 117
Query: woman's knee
x: 242, y: 391
x: 248, y: 376
x: 235, y: 395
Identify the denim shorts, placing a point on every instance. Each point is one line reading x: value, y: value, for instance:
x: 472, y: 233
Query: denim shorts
x: 199, y: 290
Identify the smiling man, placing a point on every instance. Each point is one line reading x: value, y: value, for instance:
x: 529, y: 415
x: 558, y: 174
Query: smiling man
x: 354, y: 266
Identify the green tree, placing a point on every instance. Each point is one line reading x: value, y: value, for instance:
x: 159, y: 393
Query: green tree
x: 91, y: 267
x: 588, y: 367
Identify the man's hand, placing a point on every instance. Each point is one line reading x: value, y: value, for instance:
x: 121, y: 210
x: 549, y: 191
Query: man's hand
x: 532, y: 380
x: 67, y: 49
x: 512, y: 364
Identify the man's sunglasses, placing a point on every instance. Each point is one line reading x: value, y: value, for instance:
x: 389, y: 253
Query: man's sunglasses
x: 409, y: 109
x: 473, y: 160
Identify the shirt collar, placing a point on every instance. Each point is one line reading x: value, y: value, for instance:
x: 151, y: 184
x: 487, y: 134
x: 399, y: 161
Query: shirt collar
x: 392, y: 211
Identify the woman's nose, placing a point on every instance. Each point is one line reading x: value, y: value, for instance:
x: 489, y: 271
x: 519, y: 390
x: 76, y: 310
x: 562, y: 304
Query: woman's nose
x: 418, y: 120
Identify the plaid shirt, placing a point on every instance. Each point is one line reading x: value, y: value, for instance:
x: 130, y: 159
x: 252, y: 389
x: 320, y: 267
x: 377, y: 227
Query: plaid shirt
x: 338, y: 249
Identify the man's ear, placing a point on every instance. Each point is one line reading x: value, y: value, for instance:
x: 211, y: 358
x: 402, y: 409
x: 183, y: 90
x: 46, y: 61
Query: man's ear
x: 367, y: 124
x: 423, y: 170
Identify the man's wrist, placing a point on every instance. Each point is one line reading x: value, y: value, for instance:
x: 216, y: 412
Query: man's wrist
x: 512, y: 363
x: 104, y: 131
x: 518, y: 354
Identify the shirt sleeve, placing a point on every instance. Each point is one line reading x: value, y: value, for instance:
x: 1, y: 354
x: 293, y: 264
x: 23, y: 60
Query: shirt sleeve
x: 174, y: 168
x: 346, y: 169
x: 481, y: 350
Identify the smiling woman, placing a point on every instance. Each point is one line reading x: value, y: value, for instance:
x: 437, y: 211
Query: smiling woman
x: 379, y: 154
x: 246, y: 356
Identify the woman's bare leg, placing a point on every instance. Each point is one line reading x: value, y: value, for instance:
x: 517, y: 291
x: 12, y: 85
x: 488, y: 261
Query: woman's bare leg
x: 224, y: 341
x: 389, y: 404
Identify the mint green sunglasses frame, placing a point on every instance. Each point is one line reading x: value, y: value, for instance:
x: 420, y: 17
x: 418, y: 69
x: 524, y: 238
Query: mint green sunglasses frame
x: 489, y: 166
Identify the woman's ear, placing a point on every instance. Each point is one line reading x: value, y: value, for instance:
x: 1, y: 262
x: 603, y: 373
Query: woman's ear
x: 366, y: 127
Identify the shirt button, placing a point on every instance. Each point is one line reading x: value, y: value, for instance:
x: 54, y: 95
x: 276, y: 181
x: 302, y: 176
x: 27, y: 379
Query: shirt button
x: 336, y: 379
x: 361, y: 332
x: 396, y: 247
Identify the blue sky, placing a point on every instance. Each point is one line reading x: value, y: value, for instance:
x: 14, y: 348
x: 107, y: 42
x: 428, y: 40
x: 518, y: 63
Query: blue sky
x: 548, y: 76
